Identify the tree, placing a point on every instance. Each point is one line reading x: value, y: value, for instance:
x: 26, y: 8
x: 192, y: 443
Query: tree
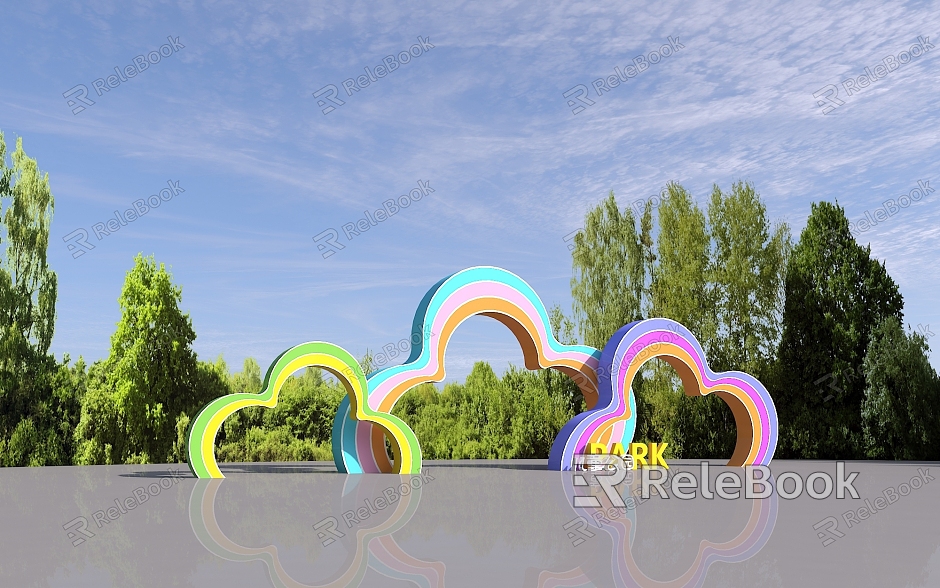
x: 298, y: 428
x: 38, y: 409
x: 835, y: 294
x: 900, y: 410
x: 609, y: 279
x: 743, y: 301
x: 721, y: 276
x: 150, y: 379
x: 747, y: 275
x: 680, y: 290
x: 557, y: 383
x: 612, y: 264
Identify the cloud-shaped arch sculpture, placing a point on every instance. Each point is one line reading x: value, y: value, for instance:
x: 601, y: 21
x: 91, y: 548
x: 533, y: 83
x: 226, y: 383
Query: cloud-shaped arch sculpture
x: 358, y: 447
x: 334, y: 359
x: 625, y: 353
x: 364, y: 421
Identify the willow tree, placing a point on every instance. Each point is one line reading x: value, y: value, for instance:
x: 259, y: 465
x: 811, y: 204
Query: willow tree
x: 611, y: 262
x: 747, y: 274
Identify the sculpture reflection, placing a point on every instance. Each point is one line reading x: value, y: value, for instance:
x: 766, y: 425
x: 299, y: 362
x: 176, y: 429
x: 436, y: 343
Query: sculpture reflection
x: 368, y: 545
x: 621, y: 525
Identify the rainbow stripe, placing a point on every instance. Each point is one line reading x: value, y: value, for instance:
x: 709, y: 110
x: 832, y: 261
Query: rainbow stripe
x: 623, y: 356
x: 359, y: 447
x: 364, y: 421
x: 336, y: 360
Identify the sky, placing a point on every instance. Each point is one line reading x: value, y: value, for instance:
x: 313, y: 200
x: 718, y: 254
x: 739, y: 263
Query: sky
x: 766, y: 92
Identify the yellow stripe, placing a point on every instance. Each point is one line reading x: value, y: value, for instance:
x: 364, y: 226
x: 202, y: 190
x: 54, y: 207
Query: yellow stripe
x: 333, y: 364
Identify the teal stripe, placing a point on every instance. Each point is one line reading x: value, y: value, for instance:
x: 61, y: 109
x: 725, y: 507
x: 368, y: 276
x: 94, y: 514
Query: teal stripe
x: 438, y: 295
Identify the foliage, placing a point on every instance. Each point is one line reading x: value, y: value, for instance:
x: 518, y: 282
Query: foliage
x: 298, y: 428
x: 835, y: 294
x: 901, y: 408
x: 820, y: 323
x: 150, y: 378
x: 38, y: 398
x: 720, y: 275
x: 747, y: 273
x: 487, y: 417
x: 608, y: 283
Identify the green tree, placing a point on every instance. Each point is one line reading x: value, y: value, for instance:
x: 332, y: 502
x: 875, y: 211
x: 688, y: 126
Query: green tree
x: 720, y: 275
x: 609, y: 280
x: 900, y: 414
x: 681, y: 291
x: 557, y: 383
x: 236, y: 426
x: 151, y: 378
x: 38, y: 405
x: 612, y: 263
x: 298, y: 428
x: 747, y: 275
x: 746, y: 270
x: 835, y: 294
x: 485, y: 417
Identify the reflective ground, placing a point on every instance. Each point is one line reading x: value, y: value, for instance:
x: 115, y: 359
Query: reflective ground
x: 466, y: 523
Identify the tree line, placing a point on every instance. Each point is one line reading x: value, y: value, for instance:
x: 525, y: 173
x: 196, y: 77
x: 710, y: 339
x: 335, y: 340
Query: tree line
x: 818, y: 321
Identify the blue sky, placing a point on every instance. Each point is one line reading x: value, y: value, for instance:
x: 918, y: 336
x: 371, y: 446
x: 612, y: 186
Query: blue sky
x: 480, y: 117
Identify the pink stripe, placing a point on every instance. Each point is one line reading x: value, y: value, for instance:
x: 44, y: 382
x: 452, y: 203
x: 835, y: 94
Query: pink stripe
x: 651, y: 338
x: 749, y: 391
x: 449, y: 307
x: 363, y: 448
